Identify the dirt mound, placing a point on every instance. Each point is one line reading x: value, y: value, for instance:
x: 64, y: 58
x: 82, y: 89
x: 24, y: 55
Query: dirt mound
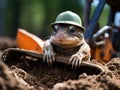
x: 25, y: 74
x: 103, y: 81
x: 108, y: 80
x: 39, y: 76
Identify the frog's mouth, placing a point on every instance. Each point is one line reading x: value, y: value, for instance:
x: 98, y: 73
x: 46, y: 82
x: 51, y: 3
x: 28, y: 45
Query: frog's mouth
x: 67, y: 42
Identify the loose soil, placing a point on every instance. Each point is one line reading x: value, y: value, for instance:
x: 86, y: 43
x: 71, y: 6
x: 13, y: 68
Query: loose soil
x: 25, y: 74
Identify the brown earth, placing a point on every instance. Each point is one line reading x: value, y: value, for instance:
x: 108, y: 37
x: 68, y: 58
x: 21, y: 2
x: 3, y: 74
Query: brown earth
x: 25, y: 74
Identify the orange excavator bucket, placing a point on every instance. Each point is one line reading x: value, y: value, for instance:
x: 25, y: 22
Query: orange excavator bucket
x: 28, y: 41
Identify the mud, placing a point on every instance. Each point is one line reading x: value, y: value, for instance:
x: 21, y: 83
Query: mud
x: 7, y: 42
x: 25, y: 74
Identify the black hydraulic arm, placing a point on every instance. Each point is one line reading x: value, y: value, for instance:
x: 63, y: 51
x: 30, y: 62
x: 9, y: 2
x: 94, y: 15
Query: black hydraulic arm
x: 94, y: 20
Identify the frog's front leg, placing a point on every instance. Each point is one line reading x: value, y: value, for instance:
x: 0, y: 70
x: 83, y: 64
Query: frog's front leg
x: 48, y: 52
x: 82, y: 55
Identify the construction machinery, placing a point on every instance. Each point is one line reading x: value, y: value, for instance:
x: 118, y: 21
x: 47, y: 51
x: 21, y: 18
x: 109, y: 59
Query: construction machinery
x: 105, y: 41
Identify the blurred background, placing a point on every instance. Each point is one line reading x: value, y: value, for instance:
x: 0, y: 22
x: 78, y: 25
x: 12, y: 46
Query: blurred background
x: 35, y: 16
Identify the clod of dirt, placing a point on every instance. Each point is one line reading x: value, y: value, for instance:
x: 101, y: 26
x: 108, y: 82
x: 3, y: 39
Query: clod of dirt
x: 8, y: 80
x: 33, y: 82
x: 114, y: 66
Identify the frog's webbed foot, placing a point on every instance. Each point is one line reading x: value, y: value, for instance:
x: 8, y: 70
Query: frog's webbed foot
x: 76, y: 59
x: 49, y: 55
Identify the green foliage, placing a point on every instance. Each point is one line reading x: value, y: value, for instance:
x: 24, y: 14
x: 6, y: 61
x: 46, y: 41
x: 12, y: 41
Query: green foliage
x: 104, y: 16
x: 103, y: 19
x: 36, y: 15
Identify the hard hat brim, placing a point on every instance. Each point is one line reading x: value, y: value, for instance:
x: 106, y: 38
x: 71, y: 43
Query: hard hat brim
x: 67, y: 22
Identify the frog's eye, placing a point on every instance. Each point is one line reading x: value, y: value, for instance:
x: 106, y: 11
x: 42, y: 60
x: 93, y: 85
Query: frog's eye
x: 55, y: 28
x: 72, y: 29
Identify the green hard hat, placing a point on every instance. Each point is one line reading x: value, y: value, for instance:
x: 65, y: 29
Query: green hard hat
x: 68, y: 17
